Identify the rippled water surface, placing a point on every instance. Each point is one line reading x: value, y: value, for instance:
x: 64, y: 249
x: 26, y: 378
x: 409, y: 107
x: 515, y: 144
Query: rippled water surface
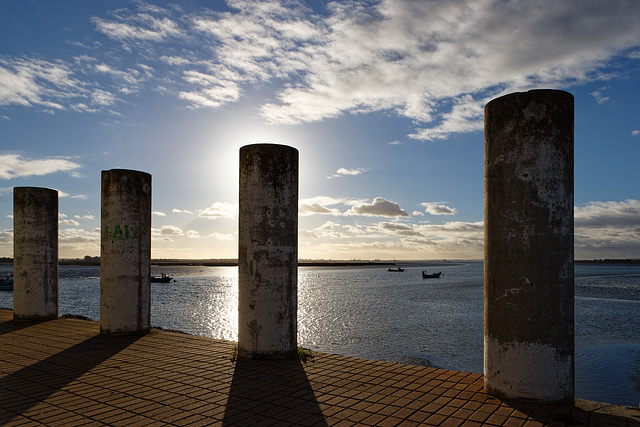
x: 371, y: 313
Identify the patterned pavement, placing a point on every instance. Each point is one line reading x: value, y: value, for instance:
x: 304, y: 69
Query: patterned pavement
x: 64, y: 373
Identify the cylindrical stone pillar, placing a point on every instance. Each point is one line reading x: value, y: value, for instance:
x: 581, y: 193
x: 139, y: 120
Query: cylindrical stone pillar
x: 268, y: 251
x: 528, y: 258
x: 35, y: 253
x: 125, y: 252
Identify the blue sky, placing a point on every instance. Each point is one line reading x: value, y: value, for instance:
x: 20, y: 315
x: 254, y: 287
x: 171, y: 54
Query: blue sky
x: 383, y: 99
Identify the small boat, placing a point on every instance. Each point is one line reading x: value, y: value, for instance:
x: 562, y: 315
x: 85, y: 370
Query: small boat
x: 163, y: 278
x: 398, y: 270
x: 6, y: 282
x: 431, y: 276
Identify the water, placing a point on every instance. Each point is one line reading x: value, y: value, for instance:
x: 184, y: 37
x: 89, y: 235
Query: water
x: 371, y: 313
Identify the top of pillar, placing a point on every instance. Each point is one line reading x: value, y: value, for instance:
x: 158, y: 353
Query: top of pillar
x: 126, y: 171
x: 31, y: 189
x: 267, y: 146
x: 537, y: 94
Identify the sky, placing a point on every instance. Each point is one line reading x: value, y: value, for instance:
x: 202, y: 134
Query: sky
x: 383, y: 99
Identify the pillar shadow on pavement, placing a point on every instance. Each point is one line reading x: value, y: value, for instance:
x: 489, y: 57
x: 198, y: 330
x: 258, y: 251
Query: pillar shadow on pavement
x: 271, y: 391
x: 26, y: 387
x: 580, y: 413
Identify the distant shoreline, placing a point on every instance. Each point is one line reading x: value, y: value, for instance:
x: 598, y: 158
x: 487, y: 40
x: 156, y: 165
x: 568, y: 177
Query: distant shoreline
x: 95, y: 261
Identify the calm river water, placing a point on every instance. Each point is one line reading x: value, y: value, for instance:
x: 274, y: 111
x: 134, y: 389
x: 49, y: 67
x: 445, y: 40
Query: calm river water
x: 374, y: 314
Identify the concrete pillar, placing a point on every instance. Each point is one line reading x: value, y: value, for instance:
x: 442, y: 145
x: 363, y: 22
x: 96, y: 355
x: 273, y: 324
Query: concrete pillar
x: 268, y: 251
x: 125, y: 252
x: 35, y: 253
x: 528, y: 258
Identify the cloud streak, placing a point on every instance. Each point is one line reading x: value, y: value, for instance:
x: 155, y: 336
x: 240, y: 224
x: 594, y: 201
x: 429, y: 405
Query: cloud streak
x: 15, y: 166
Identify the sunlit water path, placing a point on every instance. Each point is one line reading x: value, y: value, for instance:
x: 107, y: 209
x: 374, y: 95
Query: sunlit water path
x: 371, y: 313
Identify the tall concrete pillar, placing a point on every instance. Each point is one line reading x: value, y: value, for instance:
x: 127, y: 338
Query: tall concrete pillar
x: 125, y: 252
x: 528, y: 258
x: 35, y: 253
x: 268, y: 251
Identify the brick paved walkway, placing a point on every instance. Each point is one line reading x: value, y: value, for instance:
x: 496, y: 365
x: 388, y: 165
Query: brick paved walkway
x: 62, y: 372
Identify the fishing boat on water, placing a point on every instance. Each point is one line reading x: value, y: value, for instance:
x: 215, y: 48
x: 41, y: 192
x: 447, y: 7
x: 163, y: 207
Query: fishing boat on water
x: 425, y: 275
x: 397, y: 270
x: 6, y: 282
x: 163, y: 278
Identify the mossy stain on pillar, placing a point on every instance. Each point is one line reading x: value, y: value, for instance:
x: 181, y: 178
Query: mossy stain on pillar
x: 125, y: 249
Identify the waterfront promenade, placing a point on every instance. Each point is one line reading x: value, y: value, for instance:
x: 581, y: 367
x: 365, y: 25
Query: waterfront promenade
x: 62, y: 372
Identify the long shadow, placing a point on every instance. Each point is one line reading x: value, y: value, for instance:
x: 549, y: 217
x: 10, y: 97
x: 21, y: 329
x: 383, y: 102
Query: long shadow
x: 265, y: 392
x: 580, y: 413
x: 15, y: 325
x: 25, y: 388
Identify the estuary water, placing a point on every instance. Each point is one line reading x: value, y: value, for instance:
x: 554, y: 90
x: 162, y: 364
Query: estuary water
x: 371, y: 313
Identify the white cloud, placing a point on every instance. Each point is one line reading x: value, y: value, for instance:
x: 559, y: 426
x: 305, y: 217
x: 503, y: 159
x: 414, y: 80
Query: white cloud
x: 399, y: 229
x: 439, y: 209
x: 635, y: 132
x: 87, y: 217
x: 36, y: 82
x: 219, y: 210
x: 158, y: 213
x: 181, y: 211
x: 141, y: 26
x: 379, y: 207
x: 222, y: 236
x: 318, y: 206
x: 6, y: 236
x: 69, y: 222
x: 348, y: 172
x: 598, y: 95
x: 15, y: 166
x: 193, y: 234
x: 170, y: 230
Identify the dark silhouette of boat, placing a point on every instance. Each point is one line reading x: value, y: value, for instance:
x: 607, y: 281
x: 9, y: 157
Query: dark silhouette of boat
x: 6, y: 282
x: 163, y: 278
x: 397, y: 270
x: 431, y: 276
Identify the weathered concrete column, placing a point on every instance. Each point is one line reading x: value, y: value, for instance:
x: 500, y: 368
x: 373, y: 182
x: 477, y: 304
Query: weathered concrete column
x: 268, y: 251
x: 35, y: 253
x: 528, y: 258
x: 125, y: 252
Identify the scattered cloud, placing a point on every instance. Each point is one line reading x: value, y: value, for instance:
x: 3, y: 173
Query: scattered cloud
x: 635, y: 132
x: 222, y: 236
x: 607, y: 229
x: 220, y: 210
x: 598, y: 95
x: 399, y: 229
x: 158, y: 213
x: 193, y: 234
x: 435, y: 62
x: 181, y: 211
x: 69, y: 222
x: 15, y: 166
x: 439, y: 208
x: 348, y: 172
x: 319, y: 206
x: 170, y: 230
x: 379, y: 207
x: 6, y: 236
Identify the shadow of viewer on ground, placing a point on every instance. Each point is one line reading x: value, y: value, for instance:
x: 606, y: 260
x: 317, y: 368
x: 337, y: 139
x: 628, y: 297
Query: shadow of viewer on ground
x: 36, y: 382
x: 264, y: 391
